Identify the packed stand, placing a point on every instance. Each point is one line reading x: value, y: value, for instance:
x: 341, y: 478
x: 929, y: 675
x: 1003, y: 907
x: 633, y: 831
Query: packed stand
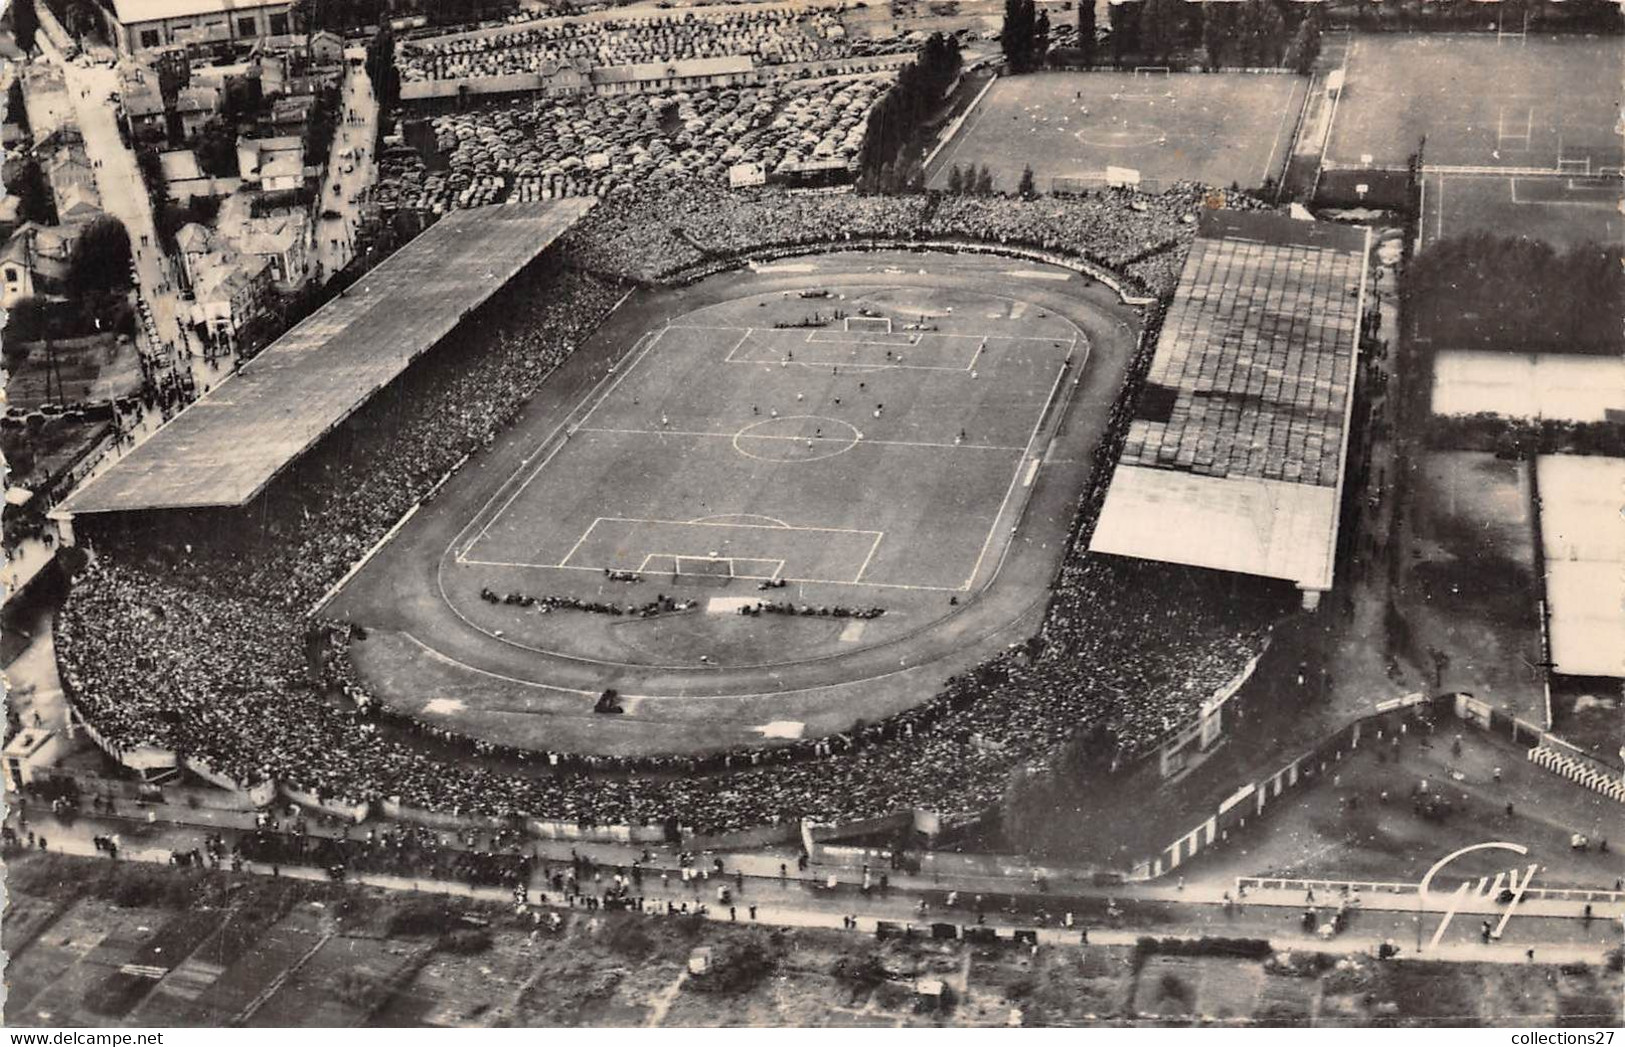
x: 204, y: 649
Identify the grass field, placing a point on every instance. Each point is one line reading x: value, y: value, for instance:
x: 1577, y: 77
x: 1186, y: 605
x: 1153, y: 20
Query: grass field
x: 1213, y: 128
x: 826, y: 456
x: 1500, y: 110
x: 1561, y: 209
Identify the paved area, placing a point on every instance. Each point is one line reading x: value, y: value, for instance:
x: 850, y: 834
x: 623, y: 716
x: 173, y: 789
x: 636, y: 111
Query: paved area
x: 351, y: 171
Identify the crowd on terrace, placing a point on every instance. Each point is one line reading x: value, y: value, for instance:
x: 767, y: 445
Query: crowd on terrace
x: 201, y: 648
x: 769, y: 36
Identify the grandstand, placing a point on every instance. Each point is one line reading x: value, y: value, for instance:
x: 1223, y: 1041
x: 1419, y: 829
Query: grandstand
x: 225, y: 448
x: 1584, y: 550
x: 1234, y: 459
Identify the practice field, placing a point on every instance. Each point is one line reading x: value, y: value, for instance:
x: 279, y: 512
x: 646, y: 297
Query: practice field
x: 1522, y: 135
x: 1215, y: 128
x: 865, y: 458
x: 1563, y: 210
x: 1480, y: 102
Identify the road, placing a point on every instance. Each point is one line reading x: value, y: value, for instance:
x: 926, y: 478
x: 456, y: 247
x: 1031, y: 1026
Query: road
x: 124, y: 196
x: 351, y: 171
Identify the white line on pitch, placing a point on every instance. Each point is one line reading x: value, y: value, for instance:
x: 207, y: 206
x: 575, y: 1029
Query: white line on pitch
x: 798, y: 439
x: 579, y: 542
x: 859, y: 576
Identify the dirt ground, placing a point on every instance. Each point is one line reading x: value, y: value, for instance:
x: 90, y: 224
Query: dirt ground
x: 323, y: 954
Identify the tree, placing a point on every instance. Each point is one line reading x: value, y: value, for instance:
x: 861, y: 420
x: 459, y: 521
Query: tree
x: 1260, y: 33
x: 1040, y: 39
x: 984, y: 182
x: 216, y: 149
x: 24, y: 24
x: 28, y: 320
x: 1159, y: 27
x: 1016, y: 38
x: 16, y: 108
x: 1087, y: 30
x: 1124, y: 20
x: 1304, y: 50
x: 386, y: 79
x: 1026, y: 188
x: 101, y: 259
x: 28, y: 184
x: 1218, y: 28
x: 81, y: 17
x: 956, y: 180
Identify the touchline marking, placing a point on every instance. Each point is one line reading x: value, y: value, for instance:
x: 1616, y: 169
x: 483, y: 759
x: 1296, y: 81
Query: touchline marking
x: 517, y: 565
x: 799, y: 439
x: 858, y: 578
x: 579, y: 543
x: 619, y: 373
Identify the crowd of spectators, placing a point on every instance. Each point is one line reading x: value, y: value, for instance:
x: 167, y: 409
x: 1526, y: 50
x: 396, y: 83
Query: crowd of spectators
x: 203, y: 647
x: 535, y: 148
x: 770, y: 37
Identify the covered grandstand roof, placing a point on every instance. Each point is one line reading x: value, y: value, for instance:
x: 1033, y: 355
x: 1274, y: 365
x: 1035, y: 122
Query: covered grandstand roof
x: 1567, y: 386
x: 1234, y: 459
x: 225, y: 447
x: 1584, y: 548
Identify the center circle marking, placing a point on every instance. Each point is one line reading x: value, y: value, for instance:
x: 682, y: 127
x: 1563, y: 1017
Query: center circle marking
x: 796, y: 438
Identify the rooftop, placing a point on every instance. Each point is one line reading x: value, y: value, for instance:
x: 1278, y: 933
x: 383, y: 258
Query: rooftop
x: 130, y: 12
x: 1234, y: 458
x: 1584, y: 548
x: 225, y: 447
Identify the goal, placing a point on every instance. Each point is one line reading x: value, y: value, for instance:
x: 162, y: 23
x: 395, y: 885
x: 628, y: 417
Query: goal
x: 872, y: 324
x: 1579, y: 166
x: 1152, y: 70
x: 718, y: 567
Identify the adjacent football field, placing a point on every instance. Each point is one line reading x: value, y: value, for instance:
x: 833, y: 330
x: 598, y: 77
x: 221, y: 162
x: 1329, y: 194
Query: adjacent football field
x: 1216, y: 128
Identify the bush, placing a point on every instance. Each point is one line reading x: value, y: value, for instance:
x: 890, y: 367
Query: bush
x: 466, y: 942
x: 861, y: 972
x: 1616, y: 959
x: 422, y: 917
x: 737, y: 965
x: 628, y: 937
x: 1240, y: 948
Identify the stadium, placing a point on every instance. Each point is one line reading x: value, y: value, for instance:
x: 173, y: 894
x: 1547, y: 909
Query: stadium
x: 725, y: 508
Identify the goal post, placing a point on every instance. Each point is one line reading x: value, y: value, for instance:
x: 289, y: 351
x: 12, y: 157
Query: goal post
x: 1574, y: 166
x: 704, y: 566
x: 871, y: 324
x: 1152, y: 70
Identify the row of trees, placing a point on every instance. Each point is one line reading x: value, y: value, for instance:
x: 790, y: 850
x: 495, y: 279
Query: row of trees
x: 971, y: 180
x: 1161, y: 32
x: 1483, y: 291
x: 892, y: 135
x: 1025, y: 37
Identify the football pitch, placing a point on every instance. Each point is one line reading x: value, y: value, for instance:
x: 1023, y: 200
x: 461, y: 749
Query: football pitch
x: 869, y: 452
x: 1521, y: 135
x: 1215, y: 128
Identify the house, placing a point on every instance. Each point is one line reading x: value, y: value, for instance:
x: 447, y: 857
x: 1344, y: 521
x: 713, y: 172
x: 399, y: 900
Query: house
x: 180, y: 165
x: 140, y: 98
x: 566, y: 77
x: 325, y: 48
x: 77, y: 205
x: 195, y: 106
x: 139, y: 26
x: 73, y: 183
x: 282, y: 241
x: 272, y: 164
x: 32, y: 753
x: 11, y: 208
x: 290, y: 114
x: 194, y: 243
x: 230, y: 292
x: 675, y: 75
x: 35, y: 262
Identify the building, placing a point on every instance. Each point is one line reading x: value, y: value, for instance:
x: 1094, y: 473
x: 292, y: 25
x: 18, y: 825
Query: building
x: 194, y: 107
x: 31, y: 754
x: 193, y: 243
x: 1583, y: 546
x: 1235, y: 456
x: 282, y: 241
x: 1568, y: 387
x: 141, y: 100
x: 229, y: 292
x: 272, y: 164
x: 682, y: 74
x: 35, y: 262
x: 325, y: 48
x: 139, y: 26
x: 73, y: 184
